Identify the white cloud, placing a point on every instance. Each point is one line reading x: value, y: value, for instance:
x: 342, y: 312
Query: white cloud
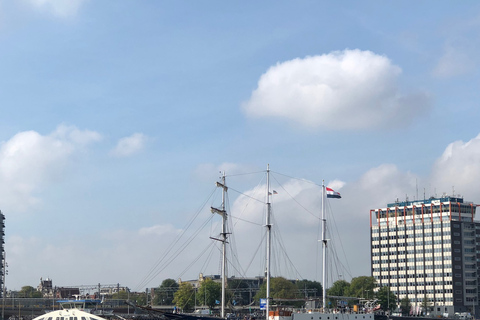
x: 58, y: 8
x: 348, y: 89
x: 130, y: 145
x: 30, y: 160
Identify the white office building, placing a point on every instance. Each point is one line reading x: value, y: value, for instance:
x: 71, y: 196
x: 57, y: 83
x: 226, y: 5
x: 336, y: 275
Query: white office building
x: 429, y: 252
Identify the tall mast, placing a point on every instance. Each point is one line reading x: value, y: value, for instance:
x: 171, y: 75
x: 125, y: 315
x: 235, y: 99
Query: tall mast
x: 324, y: 251
x: 222, y: 212
x: 269, y: 240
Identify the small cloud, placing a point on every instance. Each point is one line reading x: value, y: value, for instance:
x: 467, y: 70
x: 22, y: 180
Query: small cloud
x: 58, y: 8
x: 350, y: 89
x: 130, y: 145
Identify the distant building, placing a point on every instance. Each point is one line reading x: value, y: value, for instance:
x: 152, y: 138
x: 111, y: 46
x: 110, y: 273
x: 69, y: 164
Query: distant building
x: 429, y: 252
x: 66, y: 293
x: 46, y: 288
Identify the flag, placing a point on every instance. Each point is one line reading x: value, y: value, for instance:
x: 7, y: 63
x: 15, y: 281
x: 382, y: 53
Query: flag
x: 333, y: 194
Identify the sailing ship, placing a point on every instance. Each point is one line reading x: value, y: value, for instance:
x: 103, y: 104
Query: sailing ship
x: 322, y: 314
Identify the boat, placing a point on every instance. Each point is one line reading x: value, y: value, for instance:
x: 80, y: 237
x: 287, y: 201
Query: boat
x: 79, y: 309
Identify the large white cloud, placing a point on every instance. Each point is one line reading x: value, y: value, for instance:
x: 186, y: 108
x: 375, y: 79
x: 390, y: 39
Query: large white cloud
x: 350, y: 89
x: 30, y: 160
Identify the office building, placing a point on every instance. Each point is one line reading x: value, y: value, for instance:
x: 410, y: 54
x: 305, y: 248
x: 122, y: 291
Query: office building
x: 428, y: 251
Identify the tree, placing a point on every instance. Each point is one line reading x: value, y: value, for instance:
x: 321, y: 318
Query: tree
x: 164, y: 293
x: 405, y: 306
x: 386, y: 298
x: 303, y: 285
x: 338, y: 289
x: 29, y: 292
x: 362, y: 287
x: 209, y: 293
x: 122, y: 294
x: 184, y: 297
x: 280, y: 288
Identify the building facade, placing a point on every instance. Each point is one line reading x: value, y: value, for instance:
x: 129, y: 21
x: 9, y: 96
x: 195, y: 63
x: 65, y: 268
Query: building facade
x: 429, y: 252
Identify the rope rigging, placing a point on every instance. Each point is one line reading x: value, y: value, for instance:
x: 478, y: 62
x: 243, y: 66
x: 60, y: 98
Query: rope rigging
x: 246, y: 211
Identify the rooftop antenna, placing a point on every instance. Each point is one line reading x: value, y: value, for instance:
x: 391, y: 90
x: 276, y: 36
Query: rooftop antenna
x: 423, y: 193
x: 453, y: 191
x: 416, y: 188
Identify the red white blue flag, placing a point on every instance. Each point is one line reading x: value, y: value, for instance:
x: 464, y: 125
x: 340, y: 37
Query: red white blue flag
x: 332, y: 194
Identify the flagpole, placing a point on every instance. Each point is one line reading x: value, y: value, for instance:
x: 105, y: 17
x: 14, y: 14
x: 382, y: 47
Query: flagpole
x: 324, y: 251
x: 269, y: 240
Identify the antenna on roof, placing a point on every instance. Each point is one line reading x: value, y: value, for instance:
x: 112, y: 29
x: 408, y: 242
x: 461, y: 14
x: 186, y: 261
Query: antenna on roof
x: 416, y: 188
x: 453, y: 191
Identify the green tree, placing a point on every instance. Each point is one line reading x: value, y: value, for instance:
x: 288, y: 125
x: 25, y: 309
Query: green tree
x: 164, y: 293
x: 184, y: 297
x: 303, y: 285
x: 338, y: 289
x: 209, y: 292
x: 405, y: 306
x: 122, y: 294
x: 362, y: 287
x: 386, y: 298
x: 280, y: 288
x: 29, y: 292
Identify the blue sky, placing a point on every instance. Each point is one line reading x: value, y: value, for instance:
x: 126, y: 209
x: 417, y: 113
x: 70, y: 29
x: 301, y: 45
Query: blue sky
x: 117, y: 117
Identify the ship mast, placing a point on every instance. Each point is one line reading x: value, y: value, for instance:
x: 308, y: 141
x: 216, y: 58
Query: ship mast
x: 269, y: 240
x: 222, y: 212
x: 324, y: 251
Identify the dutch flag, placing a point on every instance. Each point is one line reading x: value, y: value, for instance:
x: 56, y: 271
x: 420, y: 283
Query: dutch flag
x: 332, y: 194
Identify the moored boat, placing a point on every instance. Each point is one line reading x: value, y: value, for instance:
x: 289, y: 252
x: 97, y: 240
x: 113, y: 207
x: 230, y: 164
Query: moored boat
x: 73, y: 310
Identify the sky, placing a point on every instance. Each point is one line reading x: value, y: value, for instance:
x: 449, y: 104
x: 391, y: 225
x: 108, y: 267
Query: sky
x: 117, y: 118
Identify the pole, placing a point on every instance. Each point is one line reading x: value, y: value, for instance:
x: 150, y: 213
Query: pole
x: 324, y: 251
x: 224, y: 241
x: 269, y: 240
x: 222, y: 212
